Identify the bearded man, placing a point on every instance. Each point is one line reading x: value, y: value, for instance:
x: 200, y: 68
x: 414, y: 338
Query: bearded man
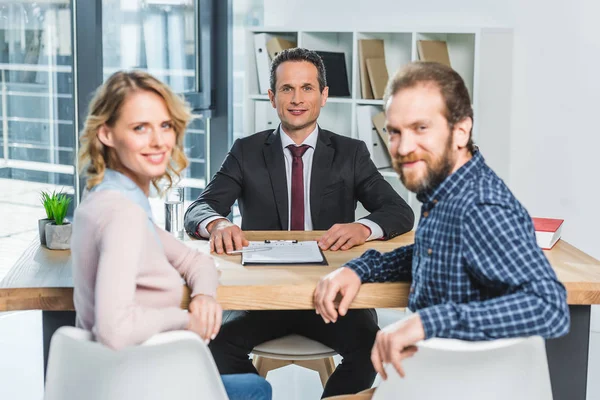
x: 476, y: 270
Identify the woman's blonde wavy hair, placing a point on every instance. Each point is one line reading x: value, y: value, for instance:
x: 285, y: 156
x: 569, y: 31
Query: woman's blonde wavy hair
x: 105, y: 107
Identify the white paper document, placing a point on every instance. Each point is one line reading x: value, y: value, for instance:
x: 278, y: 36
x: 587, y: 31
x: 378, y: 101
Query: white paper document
x: 282, y: 252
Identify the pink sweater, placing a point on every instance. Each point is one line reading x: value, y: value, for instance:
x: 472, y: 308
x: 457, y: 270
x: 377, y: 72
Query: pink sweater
x: 128, y: 286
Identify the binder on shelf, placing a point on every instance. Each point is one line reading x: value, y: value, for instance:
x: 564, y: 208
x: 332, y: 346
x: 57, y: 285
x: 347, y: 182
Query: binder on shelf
x: 381, y: 155
x: 368, y: 134
x: 265, y: 116
x: 262, y: 61
x: 434, y: 50
x: 379, y: 123
x: 364, y: 126
x: 368, y: 48
x: 378, y: 76
x: 277, y: 44
x: 337, y: 76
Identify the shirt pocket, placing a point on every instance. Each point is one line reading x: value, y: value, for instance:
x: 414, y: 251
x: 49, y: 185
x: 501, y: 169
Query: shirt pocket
x: 432, y: 275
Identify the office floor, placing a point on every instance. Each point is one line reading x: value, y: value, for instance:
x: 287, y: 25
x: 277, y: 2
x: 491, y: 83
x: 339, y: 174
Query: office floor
x: 20, y: 332
x: 21, y: 374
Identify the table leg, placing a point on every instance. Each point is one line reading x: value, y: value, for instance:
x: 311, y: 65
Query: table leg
x: 51, y: 321
x: 568, y: 357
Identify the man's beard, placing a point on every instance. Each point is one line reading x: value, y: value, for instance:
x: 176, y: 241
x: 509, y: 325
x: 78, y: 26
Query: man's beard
x: 437, y: 170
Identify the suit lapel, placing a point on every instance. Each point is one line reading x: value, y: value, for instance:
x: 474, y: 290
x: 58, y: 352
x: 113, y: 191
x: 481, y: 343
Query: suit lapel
x: 273, y: 154
x: 321, y: 168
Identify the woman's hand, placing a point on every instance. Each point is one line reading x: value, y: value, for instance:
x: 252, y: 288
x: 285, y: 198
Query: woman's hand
x: 205, y: 317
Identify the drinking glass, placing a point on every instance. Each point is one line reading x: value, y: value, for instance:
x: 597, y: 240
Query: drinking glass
x: 174, y: 211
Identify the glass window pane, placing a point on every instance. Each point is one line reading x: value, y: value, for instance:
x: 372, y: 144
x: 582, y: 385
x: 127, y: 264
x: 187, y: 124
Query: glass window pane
x: 195, y: 150
x: 1, y: 139
x: 158, y: 36
x: 153, y: 35
x: 36, y: 115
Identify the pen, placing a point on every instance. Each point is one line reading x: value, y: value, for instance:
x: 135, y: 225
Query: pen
x: 249, y: 250
x: 281, y: 241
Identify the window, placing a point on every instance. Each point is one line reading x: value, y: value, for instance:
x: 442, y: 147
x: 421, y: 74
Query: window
x: 171, y: 39
x: 37, y: 133
x: 158, y: 36
x: 36, y: 92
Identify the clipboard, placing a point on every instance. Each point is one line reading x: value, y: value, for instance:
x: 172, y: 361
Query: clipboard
x: 283, y: 252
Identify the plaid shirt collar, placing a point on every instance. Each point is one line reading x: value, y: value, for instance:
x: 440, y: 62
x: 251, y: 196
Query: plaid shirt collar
x: 454, y: 182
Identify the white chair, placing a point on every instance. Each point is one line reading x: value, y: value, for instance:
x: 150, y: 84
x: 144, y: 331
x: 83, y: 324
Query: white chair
x: 170, y: 365
x: 515, y: 369
x: 297, y: 350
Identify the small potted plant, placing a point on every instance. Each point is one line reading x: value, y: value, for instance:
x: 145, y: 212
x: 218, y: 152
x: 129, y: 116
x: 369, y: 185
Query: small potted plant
x: 46, y: 198
x: 58, y: 232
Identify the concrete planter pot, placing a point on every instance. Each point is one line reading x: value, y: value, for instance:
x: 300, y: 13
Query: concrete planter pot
x: 42, y: 229
x: 58, y: 237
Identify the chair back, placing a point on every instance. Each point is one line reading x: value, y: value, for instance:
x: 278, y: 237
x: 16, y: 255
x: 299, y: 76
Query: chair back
x: 515, y: 369
x: 174, y: 365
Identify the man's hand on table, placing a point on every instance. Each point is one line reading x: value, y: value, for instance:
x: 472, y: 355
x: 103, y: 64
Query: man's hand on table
x: 343, y: 280
x: 344, y: 236
x: 225, y: 236
x: 205, y: 317
x: 396, y: 342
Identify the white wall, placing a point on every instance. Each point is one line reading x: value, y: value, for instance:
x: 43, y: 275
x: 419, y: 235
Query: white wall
x: 347, y: 14
x: 556, y: 90
x: 555, y: 136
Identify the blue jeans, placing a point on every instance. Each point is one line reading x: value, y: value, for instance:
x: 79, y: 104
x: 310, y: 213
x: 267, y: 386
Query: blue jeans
x: 246, y: 387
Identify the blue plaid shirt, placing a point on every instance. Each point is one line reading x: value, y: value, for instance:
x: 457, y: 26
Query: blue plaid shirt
x: 477, y: 272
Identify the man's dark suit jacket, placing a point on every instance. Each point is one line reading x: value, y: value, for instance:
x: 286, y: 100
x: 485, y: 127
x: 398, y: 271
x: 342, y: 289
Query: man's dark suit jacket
x: 342, y: 174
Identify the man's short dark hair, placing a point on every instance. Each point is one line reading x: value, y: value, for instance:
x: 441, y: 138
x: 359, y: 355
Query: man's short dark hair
x: 452, y: 87
x: 299, y: 54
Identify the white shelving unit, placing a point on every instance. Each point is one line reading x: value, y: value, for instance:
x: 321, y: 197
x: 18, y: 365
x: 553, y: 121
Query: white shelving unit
x: 482, y: 56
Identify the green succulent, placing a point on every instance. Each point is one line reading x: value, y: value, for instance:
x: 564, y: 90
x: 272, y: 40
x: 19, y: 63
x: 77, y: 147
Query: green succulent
x: 46, y: 198
x: 60, y: 205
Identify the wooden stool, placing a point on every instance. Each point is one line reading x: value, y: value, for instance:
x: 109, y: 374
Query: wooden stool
x: 294, y: 349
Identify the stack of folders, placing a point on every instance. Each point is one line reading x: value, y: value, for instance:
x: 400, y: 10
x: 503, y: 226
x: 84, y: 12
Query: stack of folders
x: 379, y: 123
x: 265, y: 116
x: 276, y: 45
x: 277, y: 252
x: 370, y: 124
x: 373, y: 70
x: 266, y: 47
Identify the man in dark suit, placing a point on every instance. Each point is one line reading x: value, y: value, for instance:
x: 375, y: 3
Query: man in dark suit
x: 299, y: 177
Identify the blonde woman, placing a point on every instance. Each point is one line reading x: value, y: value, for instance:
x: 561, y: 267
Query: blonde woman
x: 127, y: 271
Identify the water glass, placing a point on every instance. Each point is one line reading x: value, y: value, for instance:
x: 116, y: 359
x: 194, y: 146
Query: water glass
x: 174, y: 211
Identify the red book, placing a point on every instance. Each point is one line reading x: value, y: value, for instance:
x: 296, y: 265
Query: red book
x: 547, y: 231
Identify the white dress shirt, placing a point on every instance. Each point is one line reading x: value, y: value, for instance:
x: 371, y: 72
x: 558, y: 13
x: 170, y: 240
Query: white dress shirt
x: 307, y: 160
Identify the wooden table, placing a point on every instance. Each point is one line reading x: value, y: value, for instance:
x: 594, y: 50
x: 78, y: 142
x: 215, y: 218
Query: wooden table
x: 42, y: 280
